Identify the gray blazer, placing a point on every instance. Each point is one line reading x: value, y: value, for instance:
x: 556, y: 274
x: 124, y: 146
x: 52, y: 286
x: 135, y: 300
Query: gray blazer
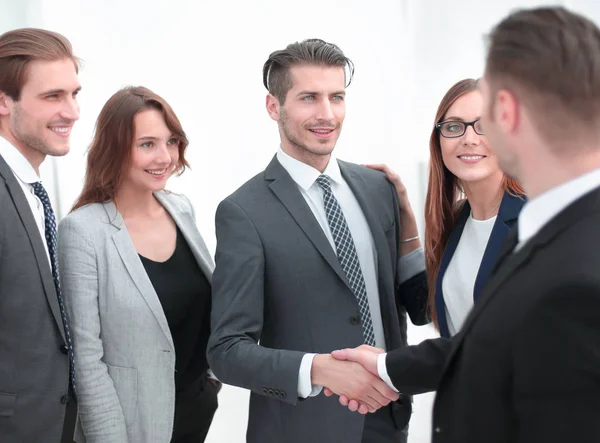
x: 278, y: 281
x: 34, y: 367
x: 124, y: 354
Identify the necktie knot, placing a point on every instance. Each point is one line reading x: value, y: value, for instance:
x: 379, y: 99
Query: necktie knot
x: 324, y: 182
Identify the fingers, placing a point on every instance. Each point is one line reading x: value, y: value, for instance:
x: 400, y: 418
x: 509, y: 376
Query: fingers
x: 379, y: 167
x: 328, y: 392
x: 385, y: 391
x: 371, y: 349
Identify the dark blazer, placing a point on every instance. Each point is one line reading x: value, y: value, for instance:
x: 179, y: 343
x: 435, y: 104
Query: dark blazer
x: 526, y: 365
x: 278, y: 280
x: 507, y: 216
x: 34, y: 367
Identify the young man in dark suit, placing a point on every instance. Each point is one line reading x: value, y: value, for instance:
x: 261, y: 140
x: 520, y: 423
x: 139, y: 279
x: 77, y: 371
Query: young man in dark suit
x: 312, y: 255
x: 526, y: 365
x: 38, y: 107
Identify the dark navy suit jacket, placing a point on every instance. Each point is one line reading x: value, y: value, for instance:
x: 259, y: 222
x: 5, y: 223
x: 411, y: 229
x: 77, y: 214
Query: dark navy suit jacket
x: 507, y: 216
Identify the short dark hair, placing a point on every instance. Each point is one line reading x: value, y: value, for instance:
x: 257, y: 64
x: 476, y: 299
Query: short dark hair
x: 21, y: 46
x: 550, y: 57
x: 314, y: 51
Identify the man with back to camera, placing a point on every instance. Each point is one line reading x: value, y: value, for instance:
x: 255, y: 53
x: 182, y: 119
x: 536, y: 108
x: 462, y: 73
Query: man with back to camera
x: 526, y: 365
x: 38, y: 107
x: 313, y: 254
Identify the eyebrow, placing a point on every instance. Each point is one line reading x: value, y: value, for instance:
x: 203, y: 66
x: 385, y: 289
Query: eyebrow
x: 59, y: 91
x: 459, y: 119
x: 318, y: 93
x: 150, y: 137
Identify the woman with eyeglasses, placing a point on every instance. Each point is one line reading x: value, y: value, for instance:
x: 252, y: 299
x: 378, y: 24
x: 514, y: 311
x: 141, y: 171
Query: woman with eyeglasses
x: 470, y: 207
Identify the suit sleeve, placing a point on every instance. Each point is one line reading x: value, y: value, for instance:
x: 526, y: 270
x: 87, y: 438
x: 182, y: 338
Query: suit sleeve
x: 411, y: 293
x: 100, y: 412
x: 417, y: 369
x: 557, y: 367
x: 238, y: 306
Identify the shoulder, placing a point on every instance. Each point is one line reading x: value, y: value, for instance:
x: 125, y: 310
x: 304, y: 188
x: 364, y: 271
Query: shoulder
x: 87, y: 219
x: 175, y: 200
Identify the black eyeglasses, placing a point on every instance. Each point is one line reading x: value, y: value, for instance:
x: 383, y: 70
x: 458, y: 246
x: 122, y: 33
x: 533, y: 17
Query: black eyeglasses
x: 453, y: 129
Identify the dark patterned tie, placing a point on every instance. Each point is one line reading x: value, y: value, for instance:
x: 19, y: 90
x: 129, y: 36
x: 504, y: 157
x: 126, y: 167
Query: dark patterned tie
x: 346, y: 252
x: 50, y: 228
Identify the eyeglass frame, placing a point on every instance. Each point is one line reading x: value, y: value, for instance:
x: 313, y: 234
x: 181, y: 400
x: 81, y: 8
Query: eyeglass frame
x: 438, y: 126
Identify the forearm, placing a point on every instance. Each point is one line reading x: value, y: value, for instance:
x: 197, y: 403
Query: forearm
x: 408, y: 231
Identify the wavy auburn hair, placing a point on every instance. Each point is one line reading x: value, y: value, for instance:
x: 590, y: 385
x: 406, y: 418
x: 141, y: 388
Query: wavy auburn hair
x: 109, y: 155
x: 444, y: 196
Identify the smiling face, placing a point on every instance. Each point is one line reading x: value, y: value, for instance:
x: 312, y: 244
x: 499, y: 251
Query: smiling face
x: 40, y: 122
x: 155, y: 152
x: 468, y: 157
x: 310, y: 120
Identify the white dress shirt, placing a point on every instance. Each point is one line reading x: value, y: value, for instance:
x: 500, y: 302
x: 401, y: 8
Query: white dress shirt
x: 305, y: 177
x: 25, y: 175
x: 536, y: 214
x: 458, y: 283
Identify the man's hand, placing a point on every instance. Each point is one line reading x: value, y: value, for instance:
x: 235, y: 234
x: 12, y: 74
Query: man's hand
x: 351, y: 380
x: 367, y: 357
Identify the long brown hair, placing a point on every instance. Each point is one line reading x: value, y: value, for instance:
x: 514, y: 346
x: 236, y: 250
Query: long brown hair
x: 109, y: 155
x: 442, y: 204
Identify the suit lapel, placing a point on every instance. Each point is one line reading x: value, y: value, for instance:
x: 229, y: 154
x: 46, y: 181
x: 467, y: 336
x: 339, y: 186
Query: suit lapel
x: 358, y: 187
x: 187, y: 226
x: 286, y: 190
x: 135, y: 268
x: 507, y: 215
x: 37, y: 244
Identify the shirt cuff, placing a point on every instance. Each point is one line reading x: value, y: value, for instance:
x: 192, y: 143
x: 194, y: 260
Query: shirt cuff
x: 210, y: 374
x: 382, y: 371
x: 305, y: 387
x: 410, y: 265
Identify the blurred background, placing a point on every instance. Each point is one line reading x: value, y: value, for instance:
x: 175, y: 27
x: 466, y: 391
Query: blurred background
x: 205, y: 58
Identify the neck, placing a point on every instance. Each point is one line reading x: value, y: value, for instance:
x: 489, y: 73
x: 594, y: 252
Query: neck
x: 541, y: 176
x: 33, y: 156
x: 131, y: 202
x: 319, y: 162
x: 485, y: 196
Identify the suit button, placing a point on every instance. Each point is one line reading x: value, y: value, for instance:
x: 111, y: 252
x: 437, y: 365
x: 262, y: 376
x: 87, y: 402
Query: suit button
x: 271, y: 392
x: 276, y: 393
x: 355, y: 319
x: 265, y: 391
x: 283, y: 394
x: 64, y: 399
x: 437, y: 430
x: 64, y: 349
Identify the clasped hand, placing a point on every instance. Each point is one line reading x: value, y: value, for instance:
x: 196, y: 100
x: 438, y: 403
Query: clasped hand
x: 352, y: 375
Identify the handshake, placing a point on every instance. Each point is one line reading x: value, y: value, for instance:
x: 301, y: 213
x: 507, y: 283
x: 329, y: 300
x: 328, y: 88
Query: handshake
x: 352, y: 375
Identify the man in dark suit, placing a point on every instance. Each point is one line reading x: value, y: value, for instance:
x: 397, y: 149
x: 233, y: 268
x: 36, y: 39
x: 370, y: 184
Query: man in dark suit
x: 313, y: 255
x: 38, y: 107
x: 526, y: 365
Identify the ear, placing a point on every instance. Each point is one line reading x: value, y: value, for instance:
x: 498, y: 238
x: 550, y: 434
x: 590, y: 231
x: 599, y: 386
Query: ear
x: 507, y: 110
x: 273, y: 106
x: 5, y: 104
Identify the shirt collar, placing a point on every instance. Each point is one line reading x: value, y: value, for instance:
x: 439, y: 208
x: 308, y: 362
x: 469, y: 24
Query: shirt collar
x: 17, y: 162
x: 539, y: 211
x: 305, y: 175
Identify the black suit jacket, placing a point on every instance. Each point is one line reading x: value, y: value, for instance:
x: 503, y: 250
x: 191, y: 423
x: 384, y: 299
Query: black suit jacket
x: 34, y: 367
x: 526, y: 365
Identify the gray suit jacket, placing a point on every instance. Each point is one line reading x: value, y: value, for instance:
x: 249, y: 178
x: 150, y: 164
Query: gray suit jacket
x: 124, y: 352
x: 34, y: 372
x: 278, y: 281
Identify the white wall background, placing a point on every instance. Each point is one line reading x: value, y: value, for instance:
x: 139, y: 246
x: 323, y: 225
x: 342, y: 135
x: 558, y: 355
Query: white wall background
x: 205, y: 58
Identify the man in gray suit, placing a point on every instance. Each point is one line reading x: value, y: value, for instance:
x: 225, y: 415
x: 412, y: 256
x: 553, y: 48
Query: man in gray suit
x: 313, y: 255
x: 38, y: 107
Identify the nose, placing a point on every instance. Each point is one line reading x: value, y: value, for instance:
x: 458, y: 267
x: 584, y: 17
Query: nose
x: 471, y: 137
x: 325, y: 111
x: 163, y: 155
x: 70, y: 109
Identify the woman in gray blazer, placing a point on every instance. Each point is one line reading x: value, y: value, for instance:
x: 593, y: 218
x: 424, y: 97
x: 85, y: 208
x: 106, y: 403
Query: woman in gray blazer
x: 136, y: 279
